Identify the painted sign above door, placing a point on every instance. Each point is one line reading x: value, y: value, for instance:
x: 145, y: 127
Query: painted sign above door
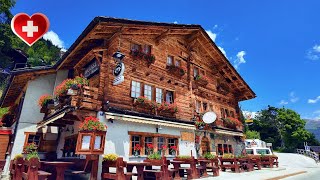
x: 91, y: 69
x: 118, y: 73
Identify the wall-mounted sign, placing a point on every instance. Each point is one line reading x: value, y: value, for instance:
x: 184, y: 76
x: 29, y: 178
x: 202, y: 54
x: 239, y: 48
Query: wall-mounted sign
x: 91, y: 69
x: 118, y: 73
x: 187, y: 136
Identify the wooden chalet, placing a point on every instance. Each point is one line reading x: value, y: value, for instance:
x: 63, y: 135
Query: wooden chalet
x: 171, y: 74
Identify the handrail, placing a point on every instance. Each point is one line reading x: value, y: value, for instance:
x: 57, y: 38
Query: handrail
x: 310, y: 154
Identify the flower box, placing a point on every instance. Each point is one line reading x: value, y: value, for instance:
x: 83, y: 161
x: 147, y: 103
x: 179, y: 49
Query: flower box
x: 154, y: 162
x: 137, y: 54
x: 201, y: 81
x: 177, y: 71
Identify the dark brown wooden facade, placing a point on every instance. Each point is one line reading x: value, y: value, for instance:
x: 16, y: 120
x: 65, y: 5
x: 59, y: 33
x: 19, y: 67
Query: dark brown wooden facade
x: 188, y: 45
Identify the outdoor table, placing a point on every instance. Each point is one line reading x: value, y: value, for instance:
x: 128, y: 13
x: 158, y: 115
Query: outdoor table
x: 203, y: 164
x: 60, y: 167
x: 176, y: 166
x: 139, y: 165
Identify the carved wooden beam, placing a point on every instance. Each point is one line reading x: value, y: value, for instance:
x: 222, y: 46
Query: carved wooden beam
x: 161, y: 36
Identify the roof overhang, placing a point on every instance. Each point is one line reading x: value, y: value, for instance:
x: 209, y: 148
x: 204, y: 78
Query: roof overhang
x: 228, y: 132
x: 149, y: 121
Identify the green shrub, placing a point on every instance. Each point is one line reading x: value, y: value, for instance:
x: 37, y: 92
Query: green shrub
x: 32, y: 155
x: 208, y: 155
x: 18, y: 156
x: 184, y: 157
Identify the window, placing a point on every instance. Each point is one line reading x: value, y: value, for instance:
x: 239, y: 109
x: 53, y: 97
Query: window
x: 195, y: 72
x: 33, y: 138
x: 249, y: 151
x: 135, y: 47
x: 169, y: 60
x: 211, y: 107
x: 177, y: 63
x: 230, y: 149
x: 148, y: 91
x: 171, y: 142
x: 160, y: 143
x: 135, y: 89
x: 134, y: 141
x: 225, y: 148
x: 227, y: 112
x: 263, y: 151
x: 169, y: 97
x: 220, y: 150
x: 222, y: 113
x: 198, y: 106
x: 147, y: 140
x: 158, y: 95
x: 147, y: 49
x: 205, y: 106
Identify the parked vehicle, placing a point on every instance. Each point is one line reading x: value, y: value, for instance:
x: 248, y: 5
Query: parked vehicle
x: 259, y: 151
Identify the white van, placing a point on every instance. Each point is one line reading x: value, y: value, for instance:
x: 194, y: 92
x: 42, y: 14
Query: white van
x: 258, y: 151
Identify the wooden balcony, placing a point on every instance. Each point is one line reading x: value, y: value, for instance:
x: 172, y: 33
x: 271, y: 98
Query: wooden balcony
x: 85, y: 98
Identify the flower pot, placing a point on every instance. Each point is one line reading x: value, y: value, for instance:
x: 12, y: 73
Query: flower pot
x: 44, y: 109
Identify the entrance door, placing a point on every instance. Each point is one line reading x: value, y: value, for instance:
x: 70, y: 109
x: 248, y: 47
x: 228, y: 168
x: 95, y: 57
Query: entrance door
x: 205, y: 145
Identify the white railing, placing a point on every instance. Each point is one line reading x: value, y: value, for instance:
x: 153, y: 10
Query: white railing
x: 310, y: 154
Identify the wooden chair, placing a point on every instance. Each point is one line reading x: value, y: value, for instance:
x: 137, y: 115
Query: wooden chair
x: 267, y: 161
x: 17, y: 168
x: 214, y: 167
x: 162, y: 173
x: 33, y: 172
x: 119, y: 164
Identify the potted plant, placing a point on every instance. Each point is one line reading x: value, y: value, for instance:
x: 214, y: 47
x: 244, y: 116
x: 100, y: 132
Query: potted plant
x: 150, y: 148
x: 167, y: 109
x: 176, y: 70
x: 155, y: 159
x: 45, y: 102
x: 209, y: 156
x: 163, y: 149
x: 227, y: 156
x: 231, y: 122
x: 91, y: 136
x: 150, y: 58
x: 185, y: 158
x: 200, y: 124
x: 110, y: 159
x: 173, y: 150
x: 136, y: 150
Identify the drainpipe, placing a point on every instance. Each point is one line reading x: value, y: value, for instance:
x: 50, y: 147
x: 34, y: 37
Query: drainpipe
x: 8, y: 157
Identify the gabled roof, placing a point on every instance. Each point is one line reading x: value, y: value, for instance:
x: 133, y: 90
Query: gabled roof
x: 94, y: 36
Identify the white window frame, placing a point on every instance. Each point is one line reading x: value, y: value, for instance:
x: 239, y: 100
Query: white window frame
x: 159, y: 95
x: 135, y: 89
x: 170, y: 60
x: 148, y: 91
x: 169, y: 99
x: 195, y: 72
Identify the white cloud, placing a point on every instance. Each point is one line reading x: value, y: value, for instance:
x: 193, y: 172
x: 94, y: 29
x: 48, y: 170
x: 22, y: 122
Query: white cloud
x: 313, y: 101
x: 54, y: 38
x: 314, y: 53
x: 212, y: 35
x: 223, y: 51
x: 240, y: 59
x: 293, y: 97
x: 175, y: 22
x: 215, y: 26
x: 283, y: 102
x: 249, y: 114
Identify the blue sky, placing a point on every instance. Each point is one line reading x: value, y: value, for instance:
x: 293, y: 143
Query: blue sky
x: 274, y: 44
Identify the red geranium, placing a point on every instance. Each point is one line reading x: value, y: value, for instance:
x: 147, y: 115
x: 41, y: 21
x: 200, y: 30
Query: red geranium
x: 44, y: 99
x: 92, y: 123
x: 137, y: 147
x: 150, y: 146
x: 174, y: 148
x: 164, y: 147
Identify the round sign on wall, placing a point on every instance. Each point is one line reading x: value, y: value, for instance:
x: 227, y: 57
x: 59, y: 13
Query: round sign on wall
x: 209, y: 117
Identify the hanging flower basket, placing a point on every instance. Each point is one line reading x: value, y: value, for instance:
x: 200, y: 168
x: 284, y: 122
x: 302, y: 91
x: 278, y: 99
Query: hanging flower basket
x: 46, y: 102
x: 91, y: 137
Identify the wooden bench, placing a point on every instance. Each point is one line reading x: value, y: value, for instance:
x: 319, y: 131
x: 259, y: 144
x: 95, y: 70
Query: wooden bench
x: 33, y: 172
x: 119, y: 164
x: 162, y: 173
x: 267, y: 161
x: 233, y: 164
x: 256, y: 161
x: 214, y: 167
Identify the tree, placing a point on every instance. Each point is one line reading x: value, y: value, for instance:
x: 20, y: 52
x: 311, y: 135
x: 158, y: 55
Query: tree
x: 252, y: 135
x: 282, y: 127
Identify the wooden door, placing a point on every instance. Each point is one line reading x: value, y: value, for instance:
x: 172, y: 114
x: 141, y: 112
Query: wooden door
x: 205, y: 145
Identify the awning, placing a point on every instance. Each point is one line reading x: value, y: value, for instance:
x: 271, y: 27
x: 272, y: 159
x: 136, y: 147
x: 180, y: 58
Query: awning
x: 50, y: 120
x: 142, y: 120
x: 232, y: 133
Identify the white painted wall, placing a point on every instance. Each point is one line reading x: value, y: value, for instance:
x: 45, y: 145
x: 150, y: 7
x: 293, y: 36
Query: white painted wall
x: 118, y: 142
x: 30, y: 113
x: 61, y: 75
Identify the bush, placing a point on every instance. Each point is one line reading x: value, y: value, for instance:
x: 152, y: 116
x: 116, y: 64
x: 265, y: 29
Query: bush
x: 184, y: 157
x: 208, y: 155
x: 32, y: 155
x: 18, y: 156
x: 253, y: 135
x: 228, y: 156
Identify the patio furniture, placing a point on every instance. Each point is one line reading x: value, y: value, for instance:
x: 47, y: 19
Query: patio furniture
x: 119, y: 164
x: 60, y: 167
x: 33, y: 172
x: 214, y: 167
x: 256, y: 161
x: 17, y: 168
x: 245, y: 164
x: 139, y: 166
x: 269, y: 161
x: 202, y: 169
x: 230, y: 163
x: 275, y: 161
x: 176, y: 166
x: 192, y: 172
x: 162, y: 173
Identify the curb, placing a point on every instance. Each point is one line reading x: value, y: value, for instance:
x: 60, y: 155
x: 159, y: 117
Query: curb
x: 287, y: 175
